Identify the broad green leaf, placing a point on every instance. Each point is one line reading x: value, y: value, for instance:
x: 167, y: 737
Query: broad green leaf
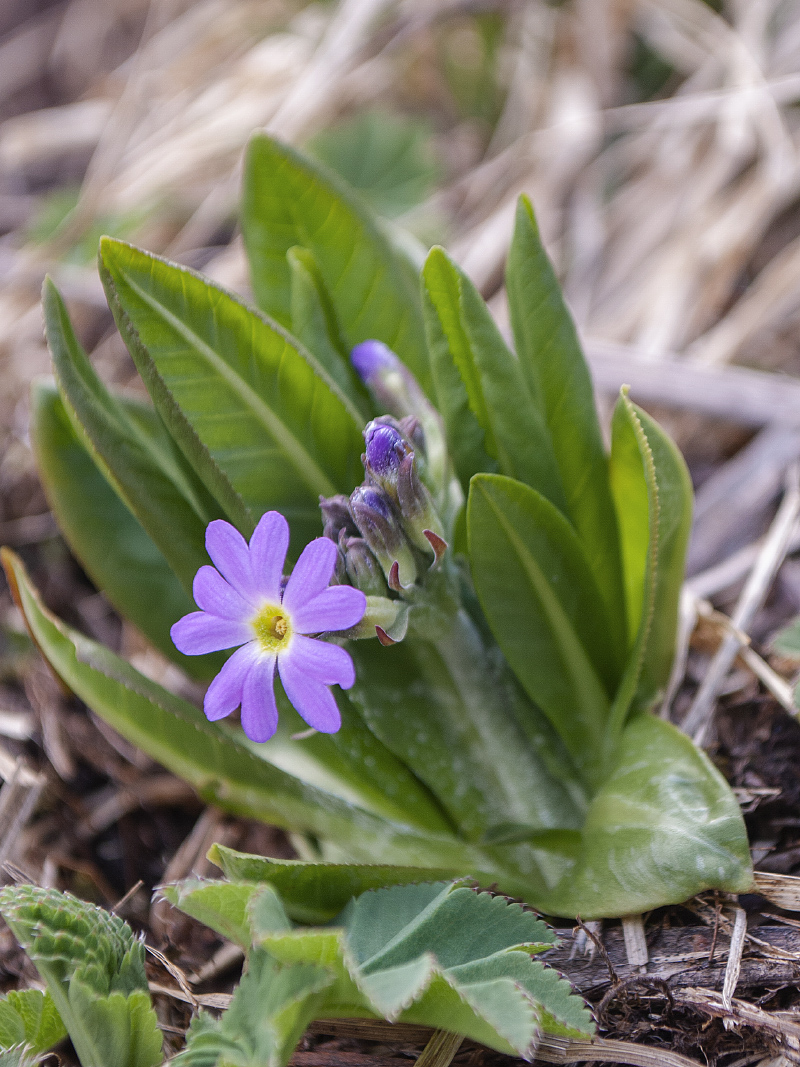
x: 224, y: 906
x: 558, y: 377
x: 316, y: 892
x: 315, y: 325
x: 212, y: 757
x: 133, y: 449
x: 443, y: 956
x: 268, y: 1015
x: 288, y: 201
x: 354, y: 764
x: 544, y: 609
x: 386, y: 158
x: 454, y: 727
x: 663, y: 827
x: 653, y: 496
x: 94, y: 971
x: 114, y: 550
x: 29, y: 1018
x: 249, y: 407
x: 463, y: 334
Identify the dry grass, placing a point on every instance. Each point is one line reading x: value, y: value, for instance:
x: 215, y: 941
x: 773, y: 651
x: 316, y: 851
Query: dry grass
x: 660, y: 143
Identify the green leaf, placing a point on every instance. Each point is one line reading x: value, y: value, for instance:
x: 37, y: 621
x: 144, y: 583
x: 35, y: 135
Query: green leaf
x: 354, y: 764
x: 29, y: 1018
x: 653, y: 496
x: 256, y: 415
x: 224, y: 906
x: 455, y: 728
x: 387, y: 158
x: 114, y: 549
x: 288, y: 201
x: 558, y: 378
x: 544, y: 609
x: 131, y: 446
x: 443, y: 956
x: 316, y: 892
x: 471, y: 362
x: 787, y: 641
x: 314, y: 324
x: 94, y: 971
x: 214, y: 758
x: 270, y: 1010
x: 663, y: 827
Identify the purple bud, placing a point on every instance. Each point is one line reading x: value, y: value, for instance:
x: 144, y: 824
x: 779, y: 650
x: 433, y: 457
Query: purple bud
x: 371, y: 357
x: 363, y: 569
x: 336, y: 517
x: 378, y: 524
x: 386, y: 449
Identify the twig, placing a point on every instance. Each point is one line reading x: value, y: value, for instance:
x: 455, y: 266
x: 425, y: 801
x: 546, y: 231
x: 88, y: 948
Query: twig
x: 635, y: 942
x: 734, y: 964
x: 753, y: 594
x: 440, y: 1050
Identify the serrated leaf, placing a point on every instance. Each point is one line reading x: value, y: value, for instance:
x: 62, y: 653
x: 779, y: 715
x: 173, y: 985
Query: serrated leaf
x: 271, y: 1008
x: 94, y: 970
x: 252, y: 411
x: 30, y: 1019
x: 316, y: 892
x: 463, y: 335
x: 544, y: 609
x: 443, y: 956
x: 663, y: 827
x: 557, y: 374
x: 224, y: 906
x: 113, y: 547
x: 386, y: 158
x: 288, y: 201
x: 211, y: 757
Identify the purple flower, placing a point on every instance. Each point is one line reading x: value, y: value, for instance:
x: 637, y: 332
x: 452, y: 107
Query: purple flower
x: 371, y: 357
x: 242, y: 604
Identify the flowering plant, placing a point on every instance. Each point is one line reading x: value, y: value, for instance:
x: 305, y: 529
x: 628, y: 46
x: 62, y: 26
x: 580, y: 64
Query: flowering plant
x: 507, y: 589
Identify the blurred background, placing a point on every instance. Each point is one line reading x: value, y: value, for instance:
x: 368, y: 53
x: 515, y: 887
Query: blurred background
x: 659, y: 141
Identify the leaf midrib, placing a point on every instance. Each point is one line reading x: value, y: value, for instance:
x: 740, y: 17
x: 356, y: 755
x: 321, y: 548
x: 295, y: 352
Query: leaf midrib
x: 576, y: 659
x: 313, y: 475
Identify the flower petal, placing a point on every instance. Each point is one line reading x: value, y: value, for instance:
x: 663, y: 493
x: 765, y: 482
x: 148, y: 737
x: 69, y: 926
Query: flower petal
x: 320, y: 660
x: 259, y: 711
x: 230, y: 555
x: 198, y: 633
x: 335, y: 608
x: 213, y: 594
x: 311, y: 573
x: 268, y: 547
x: 311, y: 698
x: 224, y: 695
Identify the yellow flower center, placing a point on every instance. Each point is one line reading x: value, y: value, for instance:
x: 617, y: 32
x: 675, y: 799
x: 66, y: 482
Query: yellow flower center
x: 272, y: 627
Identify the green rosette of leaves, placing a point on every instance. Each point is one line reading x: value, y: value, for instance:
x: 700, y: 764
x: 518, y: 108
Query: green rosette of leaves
x: 508, y: 733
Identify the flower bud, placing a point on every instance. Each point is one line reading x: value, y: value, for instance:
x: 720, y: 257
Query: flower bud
x: 336, y: 517
x: 420, y: 520
x: 386, y: 448
x: 385, y: 619
x: 363, y: 569
x: 376, y: 520
x: 397, y: 391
